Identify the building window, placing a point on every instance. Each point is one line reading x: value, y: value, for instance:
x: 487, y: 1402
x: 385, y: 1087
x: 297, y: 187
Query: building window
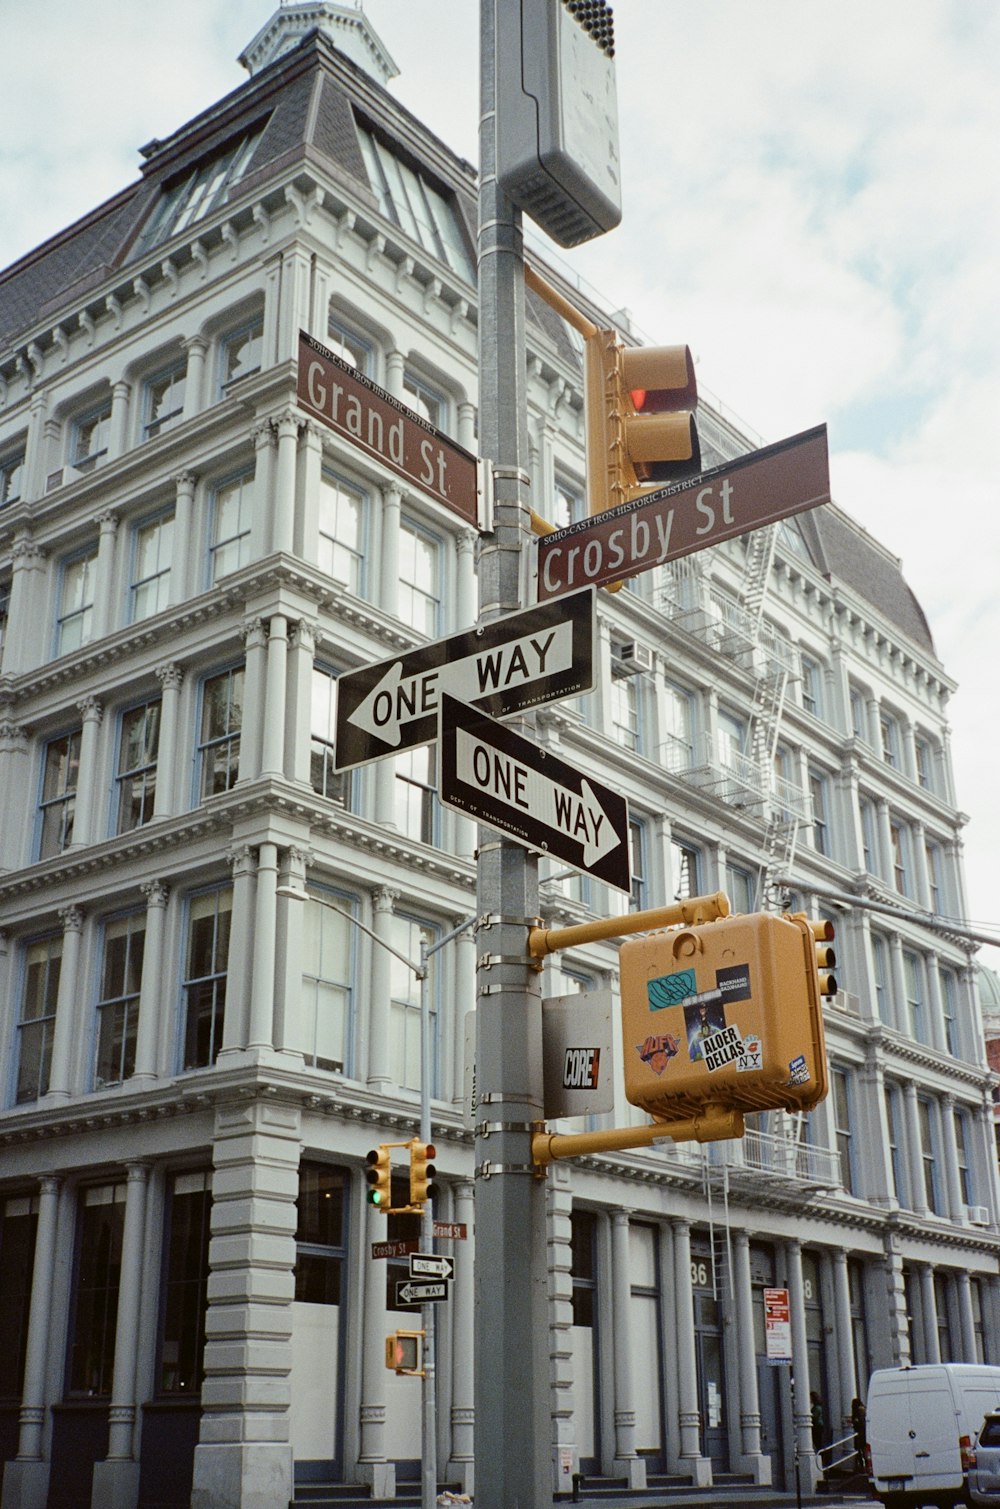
x: 232, y: 521
x: 881, y: 973
x: 11, y: 476
x: 894, y: 1124
x: 90, y: 437
x: 198, y: 191
x: 75, y: 621
x: 819, y: 793
x: 639, y: 899
x: 209, y: 917
x: 685, y: 867
x: 324, y: 779
x: 928, y: 1152
x: 889, y: 736
x: 136, y: 775
x: 935, y: 876
x: 625, y: 710
x: 859, y: 713
x: 924, y: 757
x: 843, y: 1120
x: 404, y: 996
x: 37, y: 1021
x: 185, y: 1284
x: 95, y: 1307
x: 426, y: 214
x: 900, y: 839
x: 678, y: 706
x: 18, y: 1224
x: 319, y: 1239
x: 419, y: 579
x: 568, y: 503
x: 327, y: 968
x: 812, y: 686
x: 425, y: 400
x: 221, y: 721
x: 341, y: 532
x: 414, y: 794
x: 949, y: 1007
x: 59, y: 785
x: 350, y: 347
x: 869, y: 835
x: 240, y: 354
x: 733, y: 740
x: 149, y: 589
x: 962, y: 1153
x: 741, y: 888
x: 916, y: 1000
x: 163, y: 400
x: 118, y: 1007
x: 4, y: 613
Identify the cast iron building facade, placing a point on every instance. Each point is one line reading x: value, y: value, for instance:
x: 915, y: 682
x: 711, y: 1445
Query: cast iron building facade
x: 193, y: 1066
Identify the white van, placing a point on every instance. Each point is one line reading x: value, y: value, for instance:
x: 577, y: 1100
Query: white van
x: 921, y: 1423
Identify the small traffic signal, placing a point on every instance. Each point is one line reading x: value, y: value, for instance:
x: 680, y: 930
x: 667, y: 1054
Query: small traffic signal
x: 378, y: 1173
x: 422, y: 1173
x: 404, y: 1352
x: 640, y: 418
x: 826, y: 959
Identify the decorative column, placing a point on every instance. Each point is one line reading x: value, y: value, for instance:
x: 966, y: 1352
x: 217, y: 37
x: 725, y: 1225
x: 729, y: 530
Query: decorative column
x: 928, y: 1313
x: 461, y: 1458
x: 297, y: 759
x: 262, y: 980
x: 626, y: 1461
x: 692, y: 1463
x: 290, y: 1035
x: 286, y: 428
x: 467, y: 428
x: 150, y: 985
x: 966, y: 1317
x: 914, y: 1151
x: 273, y: 751
x: 466, y: 608
x: 385, y: 792
x: 194, y: 382
x: 243, y: 1459
x: 13, y: 773
x: 26, y: 1480
x: 388, y: 576
x: 846, y: 1372
x: 87, y: 784
x: 184, y: 484
x: 752, y: 1458
x: 255, y: 640
x: 379, y: 1012
x: 373, y: 1467
x: 265, y: 481
x: 118, y: 428
x: 25, y: 645
x: 65, y: 1030
x: 898, y: 1323
x: 104, y: 585
x: 170, y: 677
x: 949, y: 1157
x: 465, y: 999
x: 116, y: 1480
x: 395, y: 366
x: 236, y: 1025
x: 801, y: 1409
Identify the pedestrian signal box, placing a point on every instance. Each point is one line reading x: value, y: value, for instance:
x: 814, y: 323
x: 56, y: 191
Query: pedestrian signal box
x: 727, y: 1013
x: 404, y: 1352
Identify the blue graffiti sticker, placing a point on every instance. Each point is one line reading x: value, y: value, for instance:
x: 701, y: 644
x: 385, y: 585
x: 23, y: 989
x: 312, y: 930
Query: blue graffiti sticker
x: 671, y: 990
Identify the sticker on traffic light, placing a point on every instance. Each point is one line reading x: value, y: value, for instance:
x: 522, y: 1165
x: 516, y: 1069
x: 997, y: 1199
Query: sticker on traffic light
x: 378, y: 1174
x: 422, y: 1173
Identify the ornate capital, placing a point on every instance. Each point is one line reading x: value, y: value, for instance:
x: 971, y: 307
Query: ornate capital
x: 71, y: 918
x: 384, y: 898
x: 155, y: 892
x: 91, y: 709
x: 170, y: 675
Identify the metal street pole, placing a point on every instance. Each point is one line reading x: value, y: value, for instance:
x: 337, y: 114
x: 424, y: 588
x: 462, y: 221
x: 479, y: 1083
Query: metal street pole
x: 513, y: 1428
x: 428, y: 1382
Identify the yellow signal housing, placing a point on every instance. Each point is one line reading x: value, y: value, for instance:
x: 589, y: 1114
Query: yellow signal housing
x: 728, y: 1013
x: 404, y: 1352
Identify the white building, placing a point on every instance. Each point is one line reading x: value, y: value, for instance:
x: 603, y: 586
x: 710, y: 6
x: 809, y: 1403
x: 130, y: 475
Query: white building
x: 186, y: 563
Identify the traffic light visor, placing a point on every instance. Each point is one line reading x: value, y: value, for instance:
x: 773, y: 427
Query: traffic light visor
x: 660, y: 378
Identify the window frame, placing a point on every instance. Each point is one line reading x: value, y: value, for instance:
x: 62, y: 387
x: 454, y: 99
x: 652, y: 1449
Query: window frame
x: 163, y: 519
x: 141, y: 770
x: 52, y: 942
x: 217, y: 978
x: 819, y: 795
x: 327, y: 900
x: 94, y: 419
x: 414, y: 592
x: 250, y: 331
x: 125, y: 1004
x: 195, y: 1313
x: 65, y: 798
x: 168, y: 377
x: 356, y: 552
x: 83, y: 612
x: 231, y: 736
x: 12, y: 462
x: 103, y: 1317
x: 638, y: 844
x: 409, y: 1001
x: 239, y: 540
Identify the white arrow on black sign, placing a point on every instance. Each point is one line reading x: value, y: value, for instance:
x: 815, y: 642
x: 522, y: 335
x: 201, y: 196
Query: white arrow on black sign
x: 504, y: 666
x: 421, y: 1292
x: 493, y: 774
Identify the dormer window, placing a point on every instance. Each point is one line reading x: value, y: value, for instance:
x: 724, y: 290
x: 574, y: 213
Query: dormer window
x: 199, y: 191
x: 425, y: 213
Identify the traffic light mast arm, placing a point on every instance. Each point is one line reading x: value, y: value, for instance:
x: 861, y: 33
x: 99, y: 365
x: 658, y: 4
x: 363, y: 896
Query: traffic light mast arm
x: 711, y: 1124
x: 697, y: 909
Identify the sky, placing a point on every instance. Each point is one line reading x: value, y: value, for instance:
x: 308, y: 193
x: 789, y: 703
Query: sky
x: 810, y: 192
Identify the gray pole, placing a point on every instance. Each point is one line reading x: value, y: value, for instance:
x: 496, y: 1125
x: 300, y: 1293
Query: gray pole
x: 428, y: 1383
x: 513, y: 1428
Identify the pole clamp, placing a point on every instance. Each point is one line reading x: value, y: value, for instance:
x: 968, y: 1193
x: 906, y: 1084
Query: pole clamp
x: 485, y: 1128
x: 490, y: 1170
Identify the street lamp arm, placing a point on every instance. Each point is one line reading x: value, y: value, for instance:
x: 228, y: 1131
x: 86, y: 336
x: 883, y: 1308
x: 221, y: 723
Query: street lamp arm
x: 293, y: 894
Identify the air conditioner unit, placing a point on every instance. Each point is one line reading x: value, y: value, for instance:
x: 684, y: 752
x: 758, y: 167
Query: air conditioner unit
x: 977, y: 1215
x: 848, y: 1002
x: 629, y: 657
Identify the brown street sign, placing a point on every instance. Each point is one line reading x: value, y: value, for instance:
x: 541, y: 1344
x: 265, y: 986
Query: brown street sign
x: 745, y: 494
x: 371, y: 419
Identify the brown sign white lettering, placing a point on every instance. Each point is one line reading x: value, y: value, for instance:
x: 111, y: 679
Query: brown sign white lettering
x: 375, y: 422
x: 769, y: 484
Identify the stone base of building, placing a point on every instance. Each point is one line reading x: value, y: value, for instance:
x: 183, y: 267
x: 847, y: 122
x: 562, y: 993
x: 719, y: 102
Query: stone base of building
x: 116, y: 1485
x: 25, y: 1485
x: 698, y: 1469
x: 464, y: 1474
x: 758, y: 1466
x: 379, y: 1476
x: 633, y: 1469
x: 242, y: 1475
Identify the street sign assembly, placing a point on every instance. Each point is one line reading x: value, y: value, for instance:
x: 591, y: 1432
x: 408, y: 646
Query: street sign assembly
x: 376, y: 422
x: 504, y: 666
x: 498, y: 777
x: 769, y: 484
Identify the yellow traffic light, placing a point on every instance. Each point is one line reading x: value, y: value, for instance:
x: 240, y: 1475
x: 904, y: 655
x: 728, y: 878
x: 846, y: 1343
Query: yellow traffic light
x: 404, y: 1352
x: 422, y: 1173
x: 378, y: 1173
x: 826, y: 959
x: 640, y: 418
x: 727, y: 1014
